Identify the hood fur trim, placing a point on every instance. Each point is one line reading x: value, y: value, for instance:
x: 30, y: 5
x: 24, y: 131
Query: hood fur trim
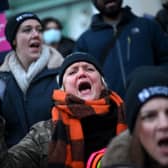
x: 118, y: 151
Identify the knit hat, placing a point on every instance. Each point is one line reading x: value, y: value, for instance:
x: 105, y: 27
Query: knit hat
x: 143, y: 84
x: 14, y: 22
x: 77, y: 57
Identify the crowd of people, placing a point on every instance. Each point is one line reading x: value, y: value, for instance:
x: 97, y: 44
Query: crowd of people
x: 87, y: 103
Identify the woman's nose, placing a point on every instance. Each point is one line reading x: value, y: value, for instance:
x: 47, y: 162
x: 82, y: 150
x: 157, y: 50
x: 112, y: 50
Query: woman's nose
x: 81, y: 73
x: 163, y: 121
x: 35, y: 32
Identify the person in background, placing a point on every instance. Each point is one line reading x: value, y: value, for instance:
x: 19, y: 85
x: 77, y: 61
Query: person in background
x: 144, y: 144
x: 122, y: 41
x: 27, y: 76
x: 162, y: 17
x: 52, y: 35
x: 86, y: 115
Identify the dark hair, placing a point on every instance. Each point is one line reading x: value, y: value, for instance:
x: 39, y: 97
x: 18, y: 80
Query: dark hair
x: 46, y: 20
x: 162, y: 18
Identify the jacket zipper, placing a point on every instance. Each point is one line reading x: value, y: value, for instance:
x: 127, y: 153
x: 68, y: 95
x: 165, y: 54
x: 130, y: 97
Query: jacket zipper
x: 128, y: 48
x: 123, y: 74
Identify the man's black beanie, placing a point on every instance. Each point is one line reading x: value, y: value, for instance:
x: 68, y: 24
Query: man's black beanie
x: 77, y: 57
x: 143, y: 84
x: 14, y: 22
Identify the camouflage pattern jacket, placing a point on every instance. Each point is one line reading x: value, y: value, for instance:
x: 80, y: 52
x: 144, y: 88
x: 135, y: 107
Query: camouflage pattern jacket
x: 31, y: 151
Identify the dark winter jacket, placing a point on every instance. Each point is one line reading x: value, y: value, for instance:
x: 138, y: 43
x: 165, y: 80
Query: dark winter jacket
x: 21, y: 110
x: 140, y: 42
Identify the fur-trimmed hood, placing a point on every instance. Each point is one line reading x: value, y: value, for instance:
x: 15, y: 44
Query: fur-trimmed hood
x: 55, y: 58
x: 118, y: 151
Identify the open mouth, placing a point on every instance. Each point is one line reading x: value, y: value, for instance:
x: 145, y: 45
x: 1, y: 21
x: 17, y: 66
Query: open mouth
x: 35, y: 45
x: 163, y: 142
x: 84, y: 86
x: 163, y: 146
x: 110, y: 3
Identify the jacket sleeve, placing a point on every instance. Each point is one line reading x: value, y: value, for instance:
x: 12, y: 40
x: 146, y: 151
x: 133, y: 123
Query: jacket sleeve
x: 28, y: 153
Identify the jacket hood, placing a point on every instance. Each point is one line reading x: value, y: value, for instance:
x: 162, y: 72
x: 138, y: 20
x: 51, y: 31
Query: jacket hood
x: 55, y: 59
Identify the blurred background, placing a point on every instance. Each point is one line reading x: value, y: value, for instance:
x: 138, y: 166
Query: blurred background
x: 75, y: 15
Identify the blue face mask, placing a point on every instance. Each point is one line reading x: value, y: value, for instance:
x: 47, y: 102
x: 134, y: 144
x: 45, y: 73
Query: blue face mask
x: 51, y: 36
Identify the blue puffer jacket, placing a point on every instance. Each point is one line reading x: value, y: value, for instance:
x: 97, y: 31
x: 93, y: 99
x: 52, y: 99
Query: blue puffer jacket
x: 21, y: 110
x: 141, y: 42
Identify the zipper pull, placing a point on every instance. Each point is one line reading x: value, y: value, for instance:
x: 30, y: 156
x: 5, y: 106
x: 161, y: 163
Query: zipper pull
x: 115, y: 29
x: 128, y: 47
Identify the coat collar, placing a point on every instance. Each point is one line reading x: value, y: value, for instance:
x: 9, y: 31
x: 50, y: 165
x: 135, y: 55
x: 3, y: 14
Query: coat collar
x: 98, y: 23
x: 55, y: 59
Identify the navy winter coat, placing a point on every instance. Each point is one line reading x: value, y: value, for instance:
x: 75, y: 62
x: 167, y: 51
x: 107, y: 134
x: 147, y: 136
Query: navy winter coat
x: 21, y: 110
x: 140, y: 42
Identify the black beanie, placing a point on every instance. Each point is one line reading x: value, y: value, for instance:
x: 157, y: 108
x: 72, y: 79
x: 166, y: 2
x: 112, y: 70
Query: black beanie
x: 143, y: 84
x: 77, y: 57
x: 14, y: 22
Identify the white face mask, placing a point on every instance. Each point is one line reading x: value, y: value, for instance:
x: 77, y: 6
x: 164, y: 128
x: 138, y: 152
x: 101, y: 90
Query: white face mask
x: 51, y: 36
